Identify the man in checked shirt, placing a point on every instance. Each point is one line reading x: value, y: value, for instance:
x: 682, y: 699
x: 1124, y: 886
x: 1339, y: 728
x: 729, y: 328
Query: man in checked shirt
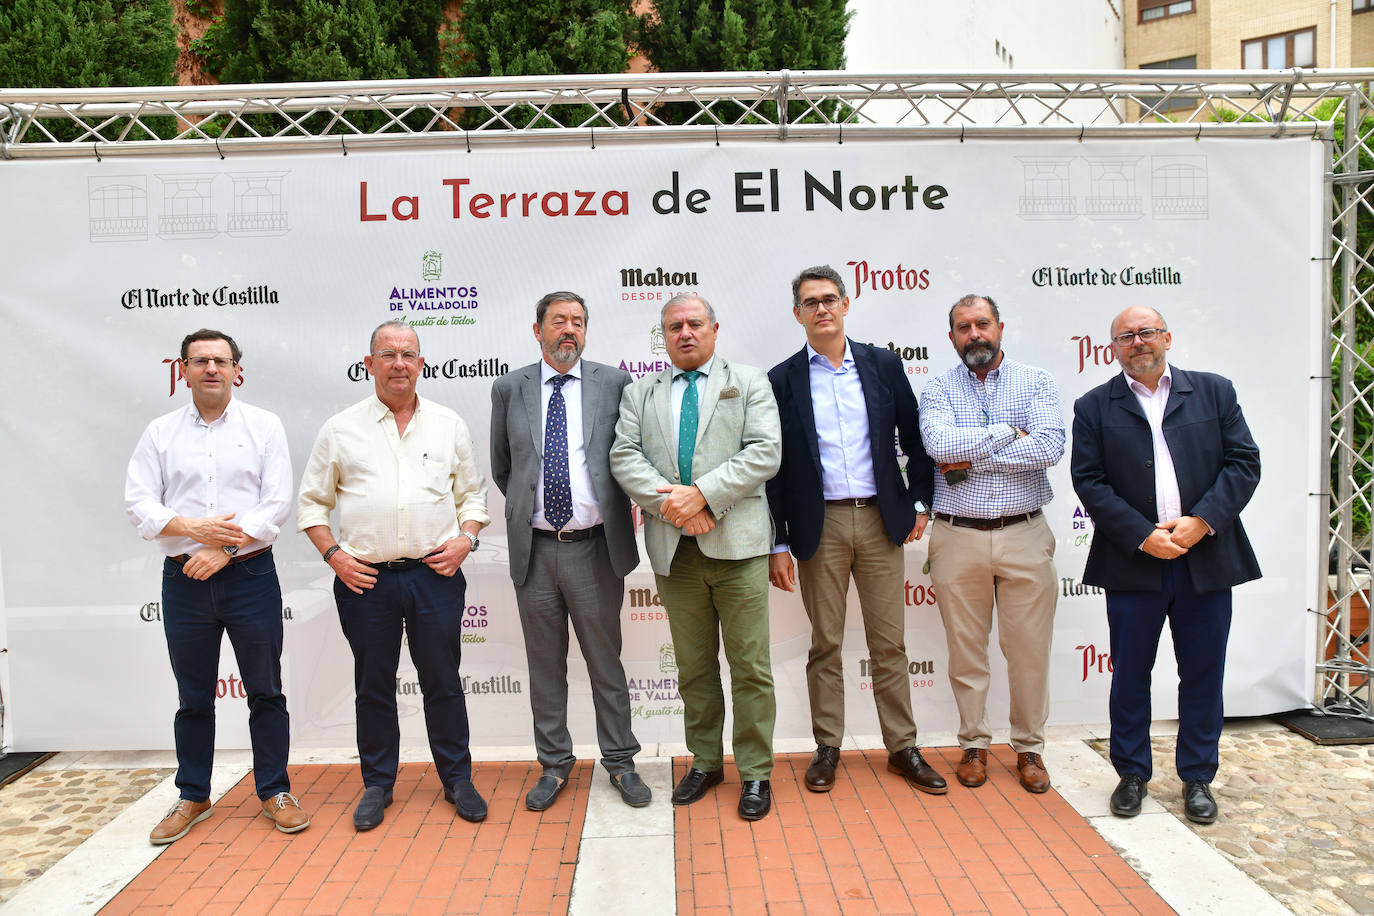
x: 993, y: 426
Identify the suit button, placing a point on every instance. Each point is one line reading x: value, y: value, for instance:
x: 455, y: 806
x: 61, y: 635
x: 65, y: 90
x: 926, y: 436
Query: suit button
x: 1149, y: 464
x: 1151, y: 499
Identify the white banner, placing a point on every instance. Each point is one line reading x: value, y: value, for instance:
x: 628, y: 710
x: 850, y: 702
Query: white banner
x: 108, y: 264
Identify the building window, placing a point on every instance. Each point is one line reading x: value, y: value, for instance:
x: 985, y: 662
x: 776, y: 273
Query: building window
x: 1279, y: 52
x: 1361, y: 6
x: 1157, y: 102
x: 1151, y: 10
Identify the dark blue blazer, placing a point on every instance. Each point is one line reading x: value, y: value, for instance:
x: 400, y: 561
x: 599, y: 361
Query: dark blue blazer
x: 795, y: 495
x: 1215, y: 459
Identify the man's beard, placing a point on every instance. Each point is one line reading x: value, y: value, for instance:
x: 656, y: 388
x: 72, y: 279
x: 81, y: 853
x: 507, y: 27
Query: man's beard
x: 979, y: 354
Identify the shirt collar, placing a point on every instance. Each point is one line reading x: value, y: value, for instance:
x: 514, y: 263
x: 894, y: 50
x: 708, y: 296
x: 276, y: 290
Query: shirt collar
x: 1166, y: 382
x: 704, y: 368
x: 380, y: 411
x: 847, y: 361
x: 193, y: 412
x: 547, y: 372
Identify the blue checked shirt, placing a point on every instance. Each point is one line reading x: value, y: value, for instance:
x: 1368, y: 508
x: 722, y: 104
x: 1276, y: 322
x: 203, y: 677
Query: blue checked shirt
x: 963, y: 419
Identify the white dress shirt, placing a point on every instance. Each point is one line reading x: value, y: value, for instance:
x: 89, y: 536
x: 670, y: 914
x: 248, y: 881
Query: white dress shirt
x: 841, y: 416
x: 1167, y: 499
x: 586, y: 511
x: 398, y: 496
x: 183, y: 466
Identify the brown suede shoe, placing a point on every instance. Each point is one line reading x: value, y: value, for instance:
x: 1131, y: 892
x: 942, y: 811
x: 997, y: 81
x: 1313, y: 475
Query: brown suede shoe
x: 1034, y: 777
x: 820, y: 775
x: 972, y: 771
x: 283, y: 810
x: 176, y: 823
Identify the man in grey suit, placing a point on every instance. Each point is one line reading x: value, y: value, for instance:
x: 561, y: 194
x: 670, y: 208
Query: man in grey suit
x: 694, y: 446
x: 572, y: 540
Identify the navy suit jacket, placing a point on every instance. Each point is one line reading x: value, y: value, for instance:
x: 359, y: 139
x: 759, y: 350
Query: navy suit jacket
x: 795, y: 496
x: 1215, y: 459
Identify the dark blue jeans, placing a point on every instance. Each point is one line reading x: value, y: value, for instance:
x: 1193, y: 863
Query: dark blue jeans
x: 1200, y: 624
x: 429, y: 607
x: 243, y: 600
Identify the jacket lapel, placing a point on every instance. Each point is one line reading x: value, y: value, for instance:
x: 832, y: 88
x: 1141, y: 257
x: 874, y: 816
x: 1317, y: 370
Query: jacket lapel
x: 662, y: 398
x: 1179, y: 389
x: 715, y: 383
x: 873, y: 390
x: 534, y: 407
x: 1121, y: 395
x: 591, y: 394
x: 799, y: 380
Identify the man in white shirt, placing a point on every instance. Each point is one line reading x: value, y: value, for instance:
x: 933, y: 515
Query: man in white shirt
x: 571, y: 538
x: 211, y: 483
x: 400, y: 470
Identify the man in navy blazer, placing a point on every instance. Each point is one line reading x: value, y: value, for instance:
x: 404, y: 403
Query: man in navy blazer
x: 841, y: 505
x: 1164, y: 463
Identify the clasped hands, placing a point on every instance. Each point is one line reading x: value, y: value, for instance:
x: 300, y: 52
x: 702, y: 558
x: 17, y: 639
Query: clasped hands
x: 1172, y: 539
x: 684, y: 507
x: 215, y: 532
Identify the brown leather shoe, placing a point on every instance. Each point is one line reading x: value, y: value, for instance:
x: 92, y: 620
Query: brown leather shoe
x: 909, y: 763
x: 820, y: 776
x: 1034, y: 777
x: 283, y: 810
x: 176, y: 823
x: 972, y: 771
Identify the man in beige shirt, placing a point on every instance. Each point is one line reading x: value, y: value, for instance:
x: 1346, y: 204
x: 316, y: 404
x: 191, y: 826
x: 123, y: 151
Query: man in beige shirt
x: 400, y: 471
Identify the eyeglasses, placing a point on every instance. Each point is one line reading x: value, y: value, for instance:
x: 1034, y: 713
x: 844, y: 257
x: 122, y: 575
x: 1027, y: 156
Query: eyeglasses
x: 409, y: 357
x: 1146, y: 335
x: 200, y: 362
x: 810, y: 305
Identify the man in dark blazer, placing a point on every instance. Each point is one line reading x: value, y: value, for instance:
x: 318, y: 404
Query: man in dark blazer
x: 1164, y: 463
x: 841, y: 505
x: 571, y: 539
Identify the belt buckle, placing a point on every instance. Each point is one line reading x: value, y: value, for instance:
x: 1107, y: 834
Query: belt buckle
x: 861, y: 502
x: 558, y: 535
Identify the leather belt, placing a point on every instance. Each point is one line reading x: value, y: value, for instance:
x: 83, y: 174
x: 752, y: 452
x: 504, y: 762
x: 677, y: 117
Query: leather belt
x: 862, y: 502
x: 566, y: 536
x: 987, y: 524
x: 398, y: 565
x: 237, y: 558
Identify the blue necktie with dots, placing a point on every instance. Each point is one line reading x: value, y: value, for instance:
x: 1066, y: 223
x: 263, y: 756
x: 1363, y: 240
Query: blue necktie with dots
x: 557, y: 487
x: 687, y: 427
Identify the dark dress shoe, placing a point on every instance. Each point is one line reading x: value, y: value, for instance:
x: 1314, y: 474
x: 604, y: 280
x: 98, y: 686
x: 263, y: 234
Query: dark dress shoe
x: 368, y: 814
x: 470, y: 805
x: 820, y: 776
x: 633, y: 791
x: 695, y: 784
x: 1034, y: 777
x: 909, y: 763
x: 755, y: 799
x: 1198, y: 804
x: 545, y: 790
x: 1128, y: 795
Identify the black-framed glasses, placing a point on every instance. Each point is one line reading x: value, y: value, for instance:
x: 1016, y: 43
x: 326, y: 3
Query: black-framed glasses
x: 200, y: 362
x: 1146, y: 335
x: 830, y: 303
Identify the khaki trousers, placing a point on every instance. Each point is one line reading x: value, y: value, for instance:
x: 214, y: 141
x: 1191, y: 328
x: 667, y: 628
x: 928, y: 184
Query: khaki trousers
x: 711, y: 601
x: 855, y: 543
x: 1011, y: 567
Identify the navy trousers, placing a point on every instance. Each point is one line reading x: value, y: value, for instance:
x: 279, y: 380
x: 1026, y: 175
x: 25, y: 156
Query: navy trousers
x: 243, y: 600
x: 429, y: 608
x: 1200, y: 625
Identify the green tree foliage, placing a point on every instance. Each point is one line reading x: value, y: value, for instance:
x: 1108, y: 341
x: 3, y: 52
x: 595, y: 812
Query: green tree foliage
x: 510, y: 38
x: 86, y: 43
x: 712, y: 35
x: 277, y: 41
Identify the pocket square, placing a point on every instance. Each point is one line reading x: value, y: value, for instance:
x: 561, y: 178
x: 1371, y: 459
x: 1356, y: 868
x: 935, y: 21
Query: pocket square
x: 731, y: 392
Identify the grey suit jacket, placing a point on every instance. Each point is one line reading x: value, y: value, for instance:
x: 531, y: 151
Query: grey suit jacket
x: 517, y: 458
x: 739, y: 446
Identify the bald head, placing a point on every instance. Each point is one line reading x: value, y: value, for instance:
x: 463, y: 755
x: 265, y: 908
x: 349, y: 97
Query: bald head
x: 1142, y: 359
x: 1132, y: 315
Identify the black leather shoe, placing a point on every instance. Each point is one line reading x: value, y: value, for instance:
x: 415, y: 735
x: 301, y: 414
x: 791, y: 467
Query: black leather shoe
x: 909, y: 763
x: 755, y: 799
x: 1198, y: 803
x: 695, y: 784
x: 633, y: 791
x: 464, y: 797
x: 820, y: 776
x: 368, y: 814
x: 1128, y: 795
x: 544, y: 791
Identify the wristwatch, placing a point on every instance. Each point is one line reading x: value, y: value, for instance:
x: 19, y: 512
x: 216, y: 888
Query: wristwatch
x: 471, y: 537
x: 231, y: 549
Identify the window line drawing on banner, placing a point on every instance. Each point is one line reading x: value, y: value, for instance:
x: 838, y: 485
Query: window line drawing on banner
x: 118, y: 208
x: 1178, y: 187
x: 1113, y: 193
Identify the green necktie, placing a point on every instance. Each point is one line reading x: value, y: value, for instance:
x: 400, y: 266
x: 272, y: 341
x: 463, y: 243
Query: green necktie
x: 687, y: 427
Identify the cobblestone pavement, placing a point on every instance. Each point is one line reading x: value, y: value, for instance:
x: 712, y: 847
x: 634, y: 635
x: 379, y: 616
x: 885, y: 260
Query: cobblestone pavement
x: 47, y: 813
x: 1297, y: 817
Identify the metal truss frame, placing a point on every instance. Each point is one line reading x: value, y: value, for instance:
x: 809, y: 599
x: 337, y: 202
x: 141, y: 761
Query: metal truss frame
x: 615, y: 108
